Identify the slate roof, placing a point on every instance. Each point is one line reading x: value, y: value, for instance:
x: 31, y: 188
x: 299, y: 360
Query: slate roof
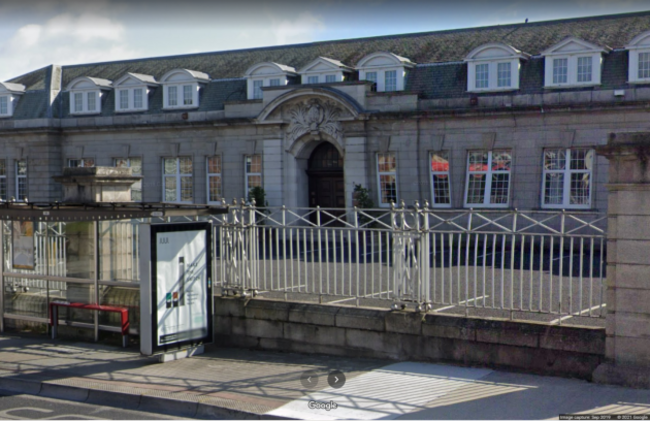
x: 445, y: 80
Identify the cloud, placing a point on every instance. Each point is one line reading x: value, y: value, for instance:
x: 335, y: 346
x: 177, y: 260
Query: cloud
x: 302, y: 29
x: 86, y: 35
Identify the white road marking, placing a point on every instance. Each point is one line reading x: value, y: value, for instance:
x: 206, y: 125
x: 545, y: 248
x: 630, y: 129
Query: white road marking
x: 482, y: 297
x: 384, y: 393
x: 556, y: 321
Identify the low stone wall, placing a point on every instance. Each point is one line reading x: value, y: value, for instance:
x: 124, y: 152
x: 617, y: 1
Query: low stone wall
x: 402, y: 335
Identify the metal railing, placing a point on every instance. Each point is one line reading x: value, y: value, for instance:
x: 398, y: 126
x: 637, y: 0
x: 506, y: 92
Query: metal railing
x: 543, y: 262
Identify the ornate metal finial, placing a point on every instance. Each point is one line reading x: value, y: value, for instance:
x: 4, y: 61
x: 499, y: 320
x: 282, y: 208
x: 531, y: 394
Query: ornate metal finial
x: 416, y: 204
x: 426, y: 203
x: 403, y: 204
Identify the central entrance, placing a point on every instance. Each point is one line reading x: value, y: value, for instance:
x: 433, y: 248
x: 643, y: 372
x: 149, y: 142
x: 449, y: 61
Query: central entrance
x: 325, y: 171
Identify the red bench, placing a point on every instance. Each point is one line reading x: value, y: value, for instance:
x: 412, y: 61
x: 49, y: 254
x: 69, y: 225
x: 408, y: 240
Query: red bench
x: 54, y: 315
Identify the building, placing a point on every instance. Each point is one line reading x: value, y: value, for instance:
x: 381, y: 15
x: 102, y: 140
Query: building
x: 495, y: 117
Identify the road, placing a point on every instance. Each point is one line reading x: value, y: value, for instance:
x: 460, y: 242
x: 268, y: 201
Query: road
x: 27, y: 407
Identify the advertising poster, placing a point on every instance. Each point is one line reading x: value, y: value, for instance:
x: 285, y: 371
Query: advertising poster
x: 23, y: 244
x: 181, y: 286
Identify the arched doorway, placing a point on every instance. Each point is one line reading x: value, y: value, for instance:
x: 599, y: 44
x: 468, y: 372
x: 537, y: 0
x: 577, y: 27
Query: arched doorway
x: 325, y: 171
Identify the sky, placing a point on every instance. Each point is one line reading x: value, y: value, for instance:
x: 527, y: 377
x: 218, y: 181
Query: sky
x: 37, y: 33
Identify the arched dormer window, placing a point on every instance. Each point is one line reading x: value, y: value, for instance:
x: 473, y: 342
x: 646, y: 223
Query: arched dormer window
x: 639, y: 60
x: 266, y: 74
x: 132, y: 92
x: 9, y: 94
x: 573, y: 62
x: 86, y: 94
x: 387, y: 70
x: 324, y: 70
x: 493, y: 67
x: 181, y: 88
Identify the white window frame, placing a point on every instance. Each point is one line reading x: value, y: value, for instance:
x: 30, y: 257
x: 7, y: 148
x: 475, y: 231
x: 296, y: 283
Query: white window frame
x: 10, y: 102
x: 330, y: 78
x: 493, y: 75
x: 566, y: 182
x: 130, y: 99
x: 137, y: 186
x: 3, y: 179
x: 248, y: 174
x: 180, y: 96
x: 572, y: 49
x: 81, y: 162
x: 444, y: 155
x: 178, y: 176
x: 84, y: 101
x: 19, y: 178
x: 390, y: 80
x: 382, y: 62
x: 9, y: 94
x: 257, y: 89
x: 489, y: 172
x: 210, y: 175
x: 386, y: 173
x: 640, y: 44
x: 312, y: 79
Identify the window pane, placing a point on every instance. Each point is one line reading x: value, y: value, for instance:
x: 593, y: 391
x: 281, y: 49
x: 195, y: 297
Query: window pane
x: 371, y: 76
x: 91, y: 101
x: 391, y: 80
x: 214, y: 188
x: 136, y: 165
x: 560, y: 67
x: 214, y: 164
x: 584, y: 69
x: 254, y: 164
x: 78, y: 101
x: 3, y: 188
x: 499, y: 188
x: 387, y: 162
x: 185, y: 165
x: 172, y: 93
x: 21, y: 167
x: 121, y: 162
x: 170, y: 189
x: 275, y: 82
x: 503, y: 73
x: 478, y: 161
x: 644, y: 65
x: 137, y: 98
x: 3, y: 105
x: 501, y: 161
x: 136, y: 191
x: 3, y: 167
x: 388, y: 188
x: 476, y: 189
x: 441, y: 189
x: 579, y: 190
x: 186, y: 189
x: 187, y: 95
x: 330, y: 78
x: 254, y: 181
x: 553, y: 188
x: 555, y: 159
x: 124, y: 99
x: 312, y: 79
x: 482, y: 76
x: 170, y: 165
x: 257, y: 89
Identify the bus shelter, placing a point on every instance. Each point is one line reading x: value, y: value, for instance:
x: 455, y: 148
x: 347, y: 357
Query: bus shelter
x: 78, y: 253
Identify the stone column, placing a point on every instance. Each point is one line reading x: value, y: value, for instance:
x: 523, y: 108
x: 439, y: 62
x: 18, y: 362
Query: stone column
x: 628, y: 261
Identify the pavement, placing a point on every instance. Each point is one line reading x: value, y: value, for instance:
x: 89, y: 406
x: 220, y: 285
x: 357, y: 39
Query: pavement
x: 251, y: 384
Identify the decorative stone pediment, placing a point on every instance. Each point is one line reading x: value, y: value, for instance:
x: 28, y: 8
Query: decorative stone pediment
x: 313, y: 116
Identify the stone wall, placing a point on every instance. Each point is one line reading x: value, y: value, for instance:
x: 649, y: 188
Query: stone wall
x: 357, y: 332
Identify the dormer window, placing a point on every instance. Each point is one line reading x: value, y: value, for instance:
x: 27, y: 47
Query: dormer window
x: 493, y: 67
x: 325, y: 70
x: 267, y: 74
x: 86, y: 94
x: 639, y: 59
x: 573, y: 62
x: 132, y: 92
x: 9, y: 94
x: 387, y: 70
x: 181, y: 88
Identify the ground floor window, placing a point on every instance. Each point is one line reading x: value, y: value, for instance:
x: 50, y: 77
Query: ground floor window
x: 177, y: 180
x: 3, y: 179
x: 253, y: 172
x: 21, y: 180
x: 387, y: 178
x: 488, y: 178
x: 566, y: 178
x: 83, y: 162
x: 136, y: 169
x: 440, y: 180
x: 214, y: 179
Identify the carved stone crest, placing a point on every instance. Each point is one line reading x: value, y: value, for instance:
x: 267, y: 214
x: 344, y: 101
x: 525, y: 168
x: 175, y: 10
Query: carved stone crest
x: 314, y: 116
